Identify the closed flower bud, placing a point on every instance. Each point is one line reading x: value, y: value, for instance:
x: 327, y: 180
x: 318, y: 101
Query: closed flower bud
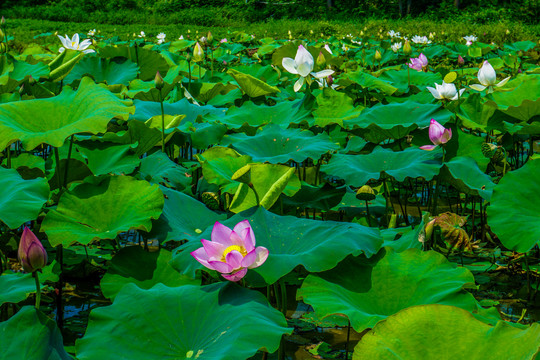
x: 378, y: 56
x: 407, y: 50
x: 460, y: 60
x: 210, y: 38
x: 320, y: 60
x: 158, y: 81
x: 198, y: 53
x: 330, y: 80
x: 3, y: 21
x: 429, y: 229
x: 32, y: 254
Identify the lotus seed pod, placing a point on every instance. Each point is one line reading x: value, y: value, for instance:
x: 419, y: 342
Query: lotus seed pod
x: 365, y: 193
x: 211, y: 200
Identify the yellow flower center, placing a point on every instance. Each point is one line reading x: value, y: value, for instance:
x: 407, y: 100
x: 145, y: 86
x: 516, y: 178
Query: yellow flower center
x: 238, y: 248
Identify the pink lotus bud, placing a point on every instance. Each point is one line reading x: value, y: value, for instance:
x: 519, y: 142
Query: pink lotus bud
x: 330, y: 80
x: 460, y: 60
x: 32, y: 254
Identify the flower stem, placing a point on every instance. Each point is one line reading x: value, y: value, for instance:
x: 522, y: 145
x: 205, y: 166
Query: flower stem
x: 162, y: 123
x: 38, y: 289
x: 8, y: 149
x: 57, y: 160
x: 283, y: 287
x: 67, y: 162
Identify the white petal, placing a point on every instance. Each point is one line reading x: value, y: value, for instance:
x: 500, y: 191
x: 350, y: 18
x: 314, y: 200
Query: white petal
x: 86, y: 43
x: 62, y: 49
x: 298, y: 84
x: 304, y: 61
x: 434, y: 92
x: 289, y: 65
x: 503, y: 82
x: 75, y: 38
x: 65, y: 40
x: 88, y: 51
x: 323, y: 73
x: 477, y: 87
x: 486, y: 74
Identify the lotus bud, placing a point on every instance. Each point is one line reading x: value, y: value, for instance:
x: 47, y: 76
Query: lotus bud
x: 407, y: 50
x: 210, y: 38
x: 2, y: 48
x: 158, y: 81
x: 378, y: 56
x: 1, y: 35
x: 507, y: 32
x: 366, y: 193
x: 198, y: 53
x: 3, y: 21
x: 32, y: 254
x: 320, y: 60
x: 188, y: 58
x: 460, y: 60
x: 361, y: 33
x: 330, y: 80
x: 431, y: 35
x: 429, y: 229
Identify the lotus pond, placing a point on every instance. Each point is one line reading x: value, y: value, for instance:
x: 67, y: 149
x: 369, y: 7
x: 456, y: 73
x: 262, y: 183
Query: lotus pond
x: 365, y: 197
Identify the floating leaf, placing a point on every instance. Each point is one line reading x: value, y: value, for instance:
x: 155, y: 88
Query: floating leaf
x: 334, y: 107
x: 252, y: 86
x: 104, y: 70
x: 192, y: 322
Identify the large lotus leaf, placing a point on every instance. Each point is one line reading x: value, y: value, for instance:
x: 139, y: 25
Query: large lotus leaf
x: 283, y: 114
x: 400, y: 79
x: 278, y: 146
x: 183, y: 218
x: 219, y: 164
x: 216, y: 322
x: 108, y: 158
x: 52, y: 120
x: 205, y: 134
x: 252, y: 86
x: 205, y: 92
x: 371, y: 82
x: 148, y: 109
x: 446, y: 333
x: 269, y: 181
x: 6, y: 66
x: 476, y: 114
x: 292, y: 241
x: 368, y: 293
x: 523, y: 102
x: 463, y: 173
x: 133, y: 265
x: 397, y: 120
x: 322, y: 197
x: 264, y: 73
x: 356, y: 170
x: 31, y: 335
x: 20, y: 200
x: 102, y: 210
x: 513, y: 214
x: 334, y: 107
x: 23, y: 69
x: 15, y: 287
x: 27, y: 161
x: 104, y: 70
x: 159, y: 169
x: 150, y: 62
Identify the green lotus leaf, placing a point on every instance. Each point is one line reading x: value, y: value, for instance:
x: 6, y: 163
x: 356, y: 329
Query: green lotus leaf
x: 31, y: 335
x: 476, y: 114
x: 6, y: 67
x: 523, y: 102
x: 513, y: 214
x: 322, y: 197
x: 205, y: 134
x: 334, y: 107
x: 205, y: 92
x: 446, y: 333
x: 15, y: 287
x: 20, y: 200
x: 269, y: 181
x: 368, y: 293
x: 102, y: 210
x: 463, y: 173
x: 150, y: 62
x: 397, y: 120
x: 148, y: 109
x: 144, y: 136
x: 400, y: 79
x: 278, y: 146
x: 292, y: 241
x: 27, y: 161
x: 104, y: 70
x: 403, y: 238
x: 356, y: 170
x: 219, y: 164
x: 252, y: 86
x: 52, y: 120
x: 159, y: 169
x: 264, y: 73
x: 133, y: 265
x: 371, y: 82
x: 77, y: 172
x: 183, y: 218
x: 22, y: 69
x: 191, y: 322
x: 108, y: 158
x: 283, y: 114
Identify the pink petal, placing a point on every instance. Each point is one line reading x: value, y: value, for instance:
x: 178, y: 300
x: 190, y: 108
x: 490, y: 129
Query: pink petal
x: 435, y: 132
x: 221, y: 234
x: 249, y: 240
x: 235, y: 276
x: 423, y: 60
x: 447, y: 135
x: 262, y: 255
x: 201, y: 256
x: 234, y: 260
x: 249, y: 259
x: 428, y: 147
x: 214, y: 250
x: 221, y: 266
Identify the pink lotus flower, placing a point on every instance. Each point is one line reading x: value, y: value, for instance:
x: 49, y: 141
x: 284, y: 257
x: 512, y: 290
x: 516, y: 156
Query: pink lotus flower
x: 32, y: 254
x: 438, y: 135
x: 231, y: 252
x: 420, y: 63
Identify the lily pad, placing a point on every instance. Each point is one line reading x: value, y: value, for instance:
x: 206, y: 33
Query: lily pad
x: 446, y: 333
x: 52, y: 120
x: 148, y: 270
x: 368, y: 293
x: 293, y: 241
x: 513, y: 214
x: 356, y: 170
x: 102, y: 210
x: 104, y: 70
x: 21, y: 200
x: 334, y: 107
x: 190, y: 322
x: 159, y: 169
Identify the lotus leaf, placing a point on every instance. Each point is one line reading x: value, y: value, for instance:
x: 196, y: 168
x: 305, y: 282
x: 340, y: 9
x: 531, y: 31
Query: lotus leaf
x: 368, y: 293
x: 252, y: 86
x: 334, y: 107
x: 104, y: 70
x: 212, y: 322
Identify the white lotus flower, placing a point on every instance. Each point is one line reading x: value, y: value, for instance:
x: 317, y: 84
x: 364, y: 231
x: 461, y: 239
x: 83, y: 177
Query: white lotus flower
x: 92, y: 32
x: 420, y: 40
x: 393, y: 34
x: 395, y: 47
x: 445, y: 91
x: 470, y: 39
x: 181, y: 37
x: 161, y: 38
x: 74, y: 44
x: 302, y: 64
x: 142, y: 35
x: 488, y: 78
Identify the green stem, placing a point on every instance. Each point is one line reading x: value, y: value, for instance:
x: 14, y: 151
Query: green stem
x: 8, y: 149
x: 162, y: 123
x: 211, y: 61
x: 435, y: 197
x: 283, y: 287
x: 255, y: 192
x: 348, y: 338
x: 57, y: 159
x: 526, y: 258
x: 38, y: 289
x: 189, y: 76
x: 389, y: 204
x: 368, y: 215
x: 67, y: 162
